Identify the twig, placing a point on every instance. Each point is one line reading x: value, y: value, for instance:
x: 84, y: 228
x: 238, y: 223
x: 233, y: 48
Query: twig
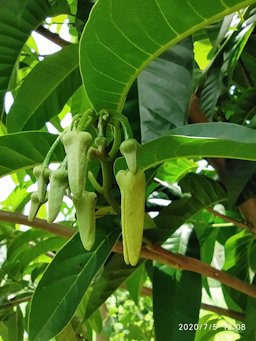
x: 221, y: 311
x: 13, y: 303
x: 231, y: 220
x: 55, y: 38
x: 153, y: 252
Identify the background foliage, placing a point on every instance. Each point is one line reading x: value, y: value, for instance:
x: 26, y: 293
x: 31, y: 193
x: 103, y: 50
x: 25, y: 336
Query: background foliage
x: 183, y: 73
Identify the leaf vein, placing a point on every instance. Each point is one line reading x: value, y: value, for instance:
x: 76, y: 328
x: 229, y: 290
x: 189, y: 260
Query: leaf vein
x: 195, y: 11
x: 124, y: 35
x: 114, y: 53
x: 165, y: 18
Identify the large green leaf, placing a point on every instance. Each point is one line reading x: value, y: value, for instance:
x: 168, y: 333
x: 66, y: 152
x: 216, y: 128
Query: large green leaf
x: 176, y: 293
x: 66, y: 280
x: 25, y: 149
x: 114, y: 274
x: 17, y: 19
x: 122, y: 37
x: 165, y: 88
x: 43, y: 93
x: 222, y: 140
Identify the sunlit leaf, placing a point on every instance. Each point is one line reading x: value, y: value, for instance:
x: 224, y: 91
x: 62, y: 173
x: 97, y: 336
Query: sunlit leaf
x: 116, y: 47
x: 43, y: 93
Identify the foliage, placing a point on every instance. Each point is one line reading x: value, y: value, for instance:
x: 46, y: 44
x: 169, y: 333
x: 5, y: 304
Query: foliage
x: 178, y: 77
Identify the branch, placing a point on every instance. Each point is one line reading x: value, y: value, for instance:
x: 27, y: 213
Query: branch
x: 221, y: 311
x: 179, y: 261
x: 13, y: 303
x: 230, y: 220
x: 53, y: 37
x: 152, y: 252
x: 18, y: 218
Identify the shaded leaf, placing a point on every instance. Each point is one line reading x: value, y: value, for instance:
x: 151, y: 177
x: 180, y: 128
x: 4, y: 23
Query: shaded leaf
x: 135, y: 282
x: 239, y: 180
x: 15, y: 325
x: 176, y: 293
x: 165, y: 88
x: 250, y: 332
x: 244, y: 107
x: 236, y: 264
x: 204, y: 192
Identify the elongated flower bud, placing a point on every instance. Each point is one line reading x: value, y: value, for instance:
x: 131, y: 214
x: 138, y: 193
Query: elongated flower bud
x: 85, y: 212
x: 76, y: 144
x: 58, y: 186
x: 128, y: 149
x: 41, y: 173
x: 35, y: 204
x: 132, y: 187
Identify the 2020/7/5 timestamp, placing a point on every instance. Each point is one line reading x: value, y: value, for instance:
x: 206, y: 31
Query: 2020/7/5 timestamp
x: 210, y: 326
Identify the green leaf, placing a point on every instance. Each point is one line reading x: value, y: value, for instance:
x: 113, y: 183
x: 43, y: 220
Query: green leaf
x: 15, y: 325
x: 237, y: 264
x: 213, y: 88
x: 250, y: 332
x: 238, y: 177
x: 66, y: 280
x: 173, y: 170
x: 176, y: 293
x: 116, y: 47
x: 79, y: 102
x: 22, y: 240
x: 244, y: 107
x: 68, y: 333
x: 43, y: 93
x: 198, y: 140
x: 115, y: 272
x: 17, y: 263
x: 204, y: 192
x: 17, y: 19
x: 26, y: 149
x: 165, y: 88
x: 135, y: 282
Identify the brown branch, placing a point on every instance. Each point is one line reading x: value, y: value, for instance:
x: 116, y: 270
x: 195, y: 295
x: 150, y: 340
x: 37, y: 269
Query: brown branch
x: 13, y: 303
x: 18, y: 218
x: 179, y: 261
x: 231, y: 220
x: 53, y: 37
x: 152, y: 252
x: 221, y: 311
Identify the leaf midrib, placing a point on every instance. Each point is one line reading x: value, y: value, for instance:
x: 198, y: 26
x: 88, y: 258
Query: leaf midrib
x: 75, y: 283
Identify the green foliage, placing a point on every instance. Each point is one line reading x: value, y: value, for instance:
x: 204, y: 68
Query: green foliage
x: 141, y: 70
